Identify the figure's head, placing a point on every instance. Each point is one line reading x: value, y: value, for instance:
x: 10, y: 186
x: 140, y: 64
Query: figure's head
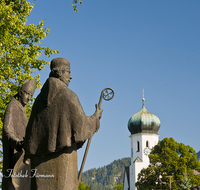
x: 60, y: 68
x: 27, y: 91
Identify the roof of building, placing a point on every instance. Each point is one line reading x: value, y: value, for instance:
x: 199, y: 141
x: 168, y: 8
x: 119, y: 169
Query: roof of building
x: 126, y: 173
x: 137, y: 160
x: 198, y: 155
x: 144, y: 122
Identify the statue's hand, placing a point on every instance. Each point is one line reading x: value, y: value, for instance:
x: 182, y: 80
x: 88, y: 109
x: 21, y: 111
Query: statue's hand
x: 26, y: 160
x: 98, y: 111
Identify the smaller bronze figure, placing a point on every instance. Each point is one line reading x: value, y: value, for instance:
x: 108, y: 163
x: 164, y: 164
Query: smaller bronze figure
x: 14, y: 128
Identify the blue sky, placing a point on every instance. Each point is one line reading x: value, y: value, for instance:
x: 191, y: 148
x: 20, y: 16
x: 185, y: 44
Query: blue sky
x: 128, y: 46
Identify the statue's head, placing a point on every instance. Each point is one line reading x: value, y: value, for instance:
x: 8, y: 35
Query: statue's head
x: 60, y: 68
x: 27, y: 91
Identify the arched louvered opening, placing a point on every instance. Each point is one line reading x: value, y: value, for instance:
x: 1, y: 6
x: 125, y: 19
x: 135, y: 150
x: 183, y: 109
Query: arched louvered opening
x: 138, y: 146
x: 147, y: 143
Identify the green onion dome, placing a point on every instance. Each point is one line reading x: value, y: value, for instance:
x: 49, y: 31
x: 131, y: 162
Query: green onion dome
x: 144, y: 122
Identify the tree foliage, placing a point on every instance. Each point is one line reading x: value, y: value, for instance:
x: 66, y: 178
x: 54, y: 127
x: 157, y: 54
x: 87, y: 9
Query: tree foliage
x: 75, y: 4
x: 119, y: 187
x: 82, y: 186
x: 170, y: 158
x: 19, y: 50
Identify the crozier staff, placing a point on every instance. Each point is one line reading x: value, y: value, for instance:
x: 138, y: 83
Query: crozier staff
x: 58, y: 127
x: 14, y: 127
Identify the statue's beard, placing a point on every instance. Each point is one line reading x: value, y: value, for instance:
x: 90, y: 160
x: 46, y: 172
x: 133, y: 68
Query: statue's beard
x: 65, y: 80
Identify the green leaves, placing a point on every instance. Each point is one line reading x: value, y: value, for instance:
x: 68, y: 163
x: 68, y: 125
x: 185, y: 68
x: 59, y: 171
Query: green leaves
x: 74, y: 5
x: 19, y: 50
x: 169, y: 158
x: 119, y: 187
x: 82, y: 186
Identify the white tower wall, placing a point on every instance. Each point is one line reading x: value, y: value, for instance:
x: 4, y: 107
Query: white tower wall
x: 138, y: 158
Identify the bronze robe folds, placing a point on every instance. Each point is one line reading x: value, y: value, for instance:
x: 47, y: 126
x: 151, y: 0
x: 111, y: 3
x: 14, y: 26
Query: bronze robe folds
x: 57, y: 127
x: 14, y: 127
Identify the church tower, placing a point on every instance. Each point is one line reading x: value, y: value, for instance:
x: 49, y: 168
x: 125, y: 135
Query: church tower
x: 144, y: 128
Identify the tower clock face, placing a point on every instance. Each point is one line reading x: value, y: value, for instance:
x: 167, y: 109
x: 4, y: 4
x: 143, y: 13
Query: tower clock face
x: 147, y: 151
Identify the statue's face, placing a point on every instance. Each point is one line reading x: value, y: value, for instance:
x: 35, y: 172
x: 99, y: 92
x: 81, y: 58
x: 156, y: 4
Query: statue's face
x: 24, y: 97
x: 66, y: 77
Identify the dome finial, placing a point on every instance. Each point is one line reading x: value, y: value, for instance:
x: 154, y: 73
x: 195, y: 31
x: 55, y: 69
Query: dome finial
x: 143, y: 97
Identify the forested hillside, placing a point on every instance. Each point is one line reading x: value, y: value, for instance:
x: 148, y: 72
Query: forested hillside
x: 105, y: 178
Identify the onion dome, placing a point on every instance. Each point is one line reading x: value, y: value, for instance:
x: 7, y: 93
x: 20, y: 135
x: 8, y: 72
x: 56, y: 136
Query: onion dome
x: 144, y: 122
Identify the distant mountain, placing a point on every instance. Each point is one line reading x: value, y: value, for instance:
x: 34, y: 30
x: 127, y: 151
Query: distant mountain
x: 105, y: 178
x: 198, y: 155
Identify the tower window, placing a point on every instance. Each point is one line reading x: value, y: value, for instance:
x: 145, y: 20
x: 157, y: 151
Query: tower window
x: 138, y: 146
x: 147, y: 143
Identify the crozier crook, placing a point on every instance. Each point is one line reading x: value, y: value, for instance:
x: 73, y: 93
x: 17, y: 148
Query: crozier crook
x: 107, y: 94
